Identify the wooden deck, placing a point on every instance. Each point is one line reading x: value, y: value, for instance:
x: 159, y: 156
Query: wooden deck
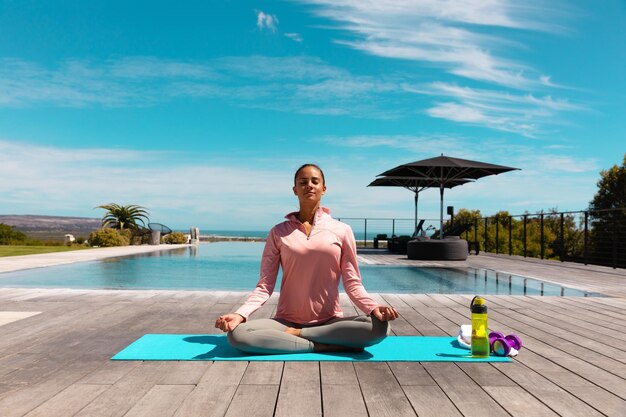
x: 573, y: 363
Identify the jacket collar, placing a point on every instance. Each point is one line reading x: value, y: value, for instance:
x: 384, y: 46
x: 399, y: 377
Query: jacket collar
x: 322, y: 212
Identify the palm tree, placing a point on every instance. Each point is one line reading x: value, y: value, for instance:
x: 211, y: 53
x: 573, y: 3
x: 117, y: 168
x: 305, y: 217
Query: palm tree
x: 124, y: 217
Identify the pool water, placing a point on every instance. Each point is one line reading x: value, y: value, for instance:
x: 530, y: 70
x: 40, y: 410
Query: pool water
x: 234, y: 266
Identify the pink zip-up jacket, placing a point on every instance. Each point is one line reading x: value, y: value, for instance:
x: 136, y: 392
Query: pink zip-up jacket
x: 312, y: 266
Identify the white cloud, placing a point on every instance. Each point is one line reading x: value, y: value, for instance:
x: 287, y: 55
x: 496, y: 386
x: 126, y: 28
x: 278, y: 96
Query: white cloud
x: 450, y: 34
x: 416, y: 145
x: 525, y: 114
x: 469, y: 39
x: 296, y: 37
x: 147, y: 67
x: 266, y: 21
x: 289, y: 68
x: 298, y: 84
x: 458, y: 113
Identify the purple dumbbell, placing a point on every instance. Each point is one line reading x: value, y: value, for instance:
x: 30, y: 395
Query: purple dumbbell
x: 501, y: 345
x: 493, y: 336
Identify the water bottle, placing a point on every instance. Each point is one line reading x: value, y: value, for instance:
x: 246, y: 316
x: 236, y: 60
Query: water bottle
x: 480, y: 335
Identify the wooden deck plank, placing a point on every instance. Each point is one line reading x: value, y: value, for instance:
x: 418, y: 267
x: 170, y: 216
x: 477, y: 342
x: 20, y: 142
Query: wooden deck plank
x: 14, y: 361
x: 430, y: 401
x: 263, y: 373
x: 596, y: 304
x: 343, y: 400
x: 518, y: 402
x: 300, y: 390
x: 599, y: 340
x: 569, y: 313
x: 422, y: 325
x: 160, y: 401
x: 183, y: 372
x: 69, y: 401
x: 213, y: 394
x: 20, y: 401
x: 338, y: 373
x: 601, y: 400
x: 16, y: 332
x: 341, y: 393
x: 411, y: 373
x: 464, y: 393
x: 110, y: 372
x: 558, y: 399
x: 252, y: 401
x: 486, y: 375
x: 381, y: 391
x: 124, y: 394
x: 573, y: 355
x: 405, y: 325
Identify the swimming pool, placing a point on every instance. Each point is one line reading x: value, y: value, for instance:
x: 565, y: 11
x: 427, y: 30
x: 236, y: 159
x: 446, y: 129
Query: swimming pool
x: 234, y: 266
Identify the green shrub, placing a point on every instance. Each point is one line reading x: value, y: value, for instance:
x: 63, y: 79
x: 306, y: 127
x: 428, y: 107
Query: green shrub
x: 107, y: 237
x: 175, y: 238
x: 10, y: 236
x: 127, y: 233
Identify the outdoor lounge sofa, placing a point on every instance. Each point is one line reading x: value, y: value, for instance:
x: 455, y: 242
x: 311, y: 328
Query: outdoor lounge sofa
x: 398, y: 244
x: 378, y: 238
x: 450, y: 248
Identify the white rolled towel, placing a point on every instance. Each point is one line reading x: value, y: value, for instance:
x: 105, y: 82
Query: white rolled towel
x: 465, y: 336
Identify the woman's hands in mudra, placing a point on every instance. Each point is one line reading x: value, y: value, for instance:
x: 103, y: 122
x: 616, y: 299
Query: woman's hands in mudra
x: 385, y: 313
x: 228, y: 322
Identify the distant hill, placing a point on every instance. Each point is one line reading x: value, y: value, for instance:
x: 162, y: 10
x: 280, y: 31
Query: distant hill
x: 51, y: 227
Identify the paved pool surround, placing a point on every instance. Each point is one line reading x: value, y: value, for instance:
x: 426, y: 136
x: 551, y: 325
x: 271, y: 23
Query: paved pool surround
x: 17, y: 263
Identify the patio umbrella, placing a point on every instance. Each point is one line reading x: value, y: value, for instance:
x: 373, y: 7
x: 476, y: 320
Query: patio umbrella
x: 444, y: 170
x: 415, y: 184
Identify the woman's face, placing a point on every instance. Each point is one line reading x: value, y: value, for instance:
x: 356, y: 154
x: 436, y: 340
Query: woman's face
x: 309, y: 187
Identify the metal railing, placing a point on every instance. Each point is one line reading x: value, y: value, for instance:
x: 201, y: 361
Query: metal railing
x: 586, y: 236
x: 366, y: 229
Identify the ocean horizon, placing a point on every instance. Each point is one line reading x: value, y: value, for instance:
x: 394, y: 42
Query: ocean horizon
x: 358, y: 235
x: 234, y: 233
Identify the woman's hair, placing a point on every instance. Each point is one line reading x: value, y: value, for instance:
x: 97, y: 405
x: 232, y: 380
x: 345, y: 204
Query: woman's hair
x: 295, y: 177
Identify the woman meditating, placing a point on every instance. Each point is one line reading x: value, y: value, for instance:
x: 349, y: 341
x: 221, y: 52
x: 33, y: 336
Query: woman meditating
x: 315, y: 251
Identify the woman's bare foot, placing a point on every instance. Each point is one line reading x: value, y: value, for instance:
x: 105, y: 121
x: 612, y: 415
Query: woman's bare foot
x: 293, y: 331
x: 323, y: 347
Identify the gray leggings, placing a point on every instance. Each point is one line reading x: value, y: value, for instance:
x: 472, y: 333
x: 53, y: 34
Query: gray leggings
x: 269, y: 336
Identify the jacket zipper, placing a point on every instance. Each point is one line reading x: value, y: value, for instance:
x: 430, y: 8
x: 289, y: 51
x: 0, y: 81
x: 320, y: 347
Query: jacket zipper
x: 312, y: 226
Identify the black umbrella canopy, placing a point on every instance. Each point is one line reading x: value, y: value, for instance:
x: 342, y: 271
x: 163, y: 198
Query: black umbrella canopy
x: 445, y: 170
x: 415, y: 184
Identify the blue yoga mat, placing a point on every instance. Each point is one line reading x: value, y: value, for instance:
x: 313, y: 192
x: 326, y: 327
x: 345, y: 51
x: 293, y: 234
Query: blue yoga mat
x: 208, y: 347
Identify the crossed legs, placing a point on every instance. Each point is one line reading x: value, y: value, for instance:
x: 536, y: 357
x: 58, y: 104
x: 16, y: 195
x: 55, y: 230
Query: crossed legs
x: 272, y: 336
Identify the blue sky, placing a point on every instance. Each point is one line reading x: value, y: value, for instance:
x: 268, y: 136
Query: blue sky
x: 201, y: 110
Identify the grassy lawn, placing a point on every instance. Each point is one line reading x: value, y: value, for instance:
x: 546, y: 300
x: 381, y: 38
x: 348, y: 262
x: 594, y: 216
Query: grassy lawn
x: 15, y: 250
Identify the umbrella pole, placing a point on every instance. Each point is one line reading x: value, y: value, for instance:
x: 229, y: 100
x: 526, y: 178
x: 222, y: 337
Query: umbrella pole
x: 441, y: 212
x: 415, y: 233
